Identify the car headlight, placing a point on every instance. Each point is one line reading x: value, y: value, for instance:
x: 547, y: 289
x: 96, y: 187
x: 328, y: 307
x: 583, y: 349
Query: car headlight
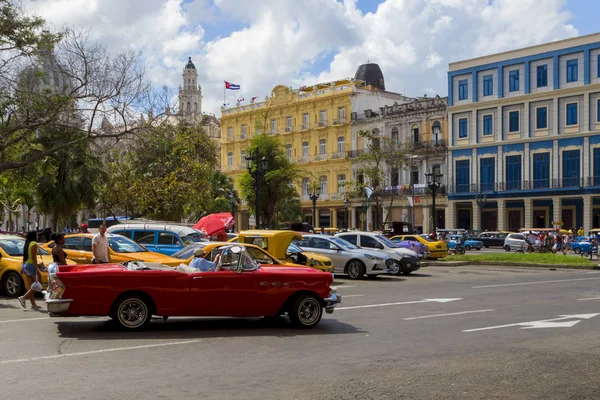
x: 370, y: 257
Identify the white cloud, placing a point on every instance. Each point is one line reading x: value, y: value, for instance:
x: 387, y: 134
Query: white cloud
x: 280, y: 41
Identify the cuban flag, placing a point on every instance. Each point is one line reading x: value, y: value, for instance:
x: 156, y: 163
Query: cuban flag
x: 231, y: 86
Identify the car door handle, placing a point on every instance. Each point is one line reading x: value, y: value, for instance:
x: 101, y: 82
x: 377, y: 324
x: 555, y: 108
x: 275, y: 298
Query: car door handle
x: 197, y: 277
x: 264, y: 284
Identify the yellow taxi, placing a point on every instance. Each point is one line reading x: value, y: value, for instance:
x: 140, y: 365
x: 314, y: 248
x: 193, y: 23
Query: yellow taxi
x: 437, y: 248
x: 13, y: 283
x: 279, y: 244
x: 78, y: 247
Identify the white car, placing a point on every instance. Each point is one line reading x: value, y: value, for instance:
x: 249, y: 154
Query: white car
x: 514, y: 241
x: 347, y: 258
x: 405, y: 260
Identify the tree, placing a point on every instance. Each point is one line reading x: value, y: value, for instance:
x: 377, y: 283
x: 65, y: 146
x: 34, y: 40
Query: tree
x: 382, y: 157
x: 165, y: 175
x: 276, y: 184
x: 223, y: 193
x: 46, y: 79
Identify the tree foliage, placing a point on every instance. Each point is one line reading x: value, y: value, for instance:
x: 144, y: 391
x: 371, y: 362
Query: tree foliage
x: 276, y: 184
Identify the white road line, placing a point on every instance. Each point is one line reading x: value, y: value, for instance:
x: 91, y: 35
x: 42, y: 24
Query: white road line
x: 533, y: 283
x: 86, y: 353
x: 448, y: 315
x: 22, y: 320
x: 400, y: 303
x: 344, y: 286
x: 590, y: 298
x: 345, y: 296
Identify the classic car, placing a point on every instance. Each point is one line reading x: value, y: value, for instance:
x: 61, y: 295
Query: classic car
x: 279, y: 244
x: 469, y: 243
x: 79, y: 249
x: 417, y: 247
x: 11, y: 258
x: 405, y: 260
x: 491, y: 239
x: 437, y: 248
x: 132, y: 292
x: 347, y: 258
x: 581, y: 245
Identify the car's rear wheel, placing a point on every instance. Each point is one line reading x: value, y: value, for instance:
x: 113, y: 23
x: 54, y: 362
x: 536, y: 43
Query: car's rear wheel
x: 577, y: 250
x: 132, y: 313
x: 355, y: 269
x: 507, y: 248
x: 306, y: 312
x: 467, y: 247
x: 13, y: 284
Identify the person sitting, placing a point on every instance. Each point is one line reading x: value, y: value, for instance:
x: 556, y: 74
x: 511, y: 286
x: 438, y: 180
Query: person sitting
x: 203, y: 264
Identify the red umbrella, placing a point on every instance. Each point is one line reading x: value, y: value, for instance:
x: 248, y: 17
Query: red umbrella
x: 213, y: 223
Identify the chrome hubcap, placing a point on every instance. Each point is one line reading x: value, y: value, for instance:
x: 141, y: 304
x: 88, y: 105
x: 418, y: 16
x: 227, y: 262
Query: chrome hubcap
x: 133, y: 313
x: 353, y: 270
x: 12, y: 285
x: 308, y: 311
x: 395, y: 268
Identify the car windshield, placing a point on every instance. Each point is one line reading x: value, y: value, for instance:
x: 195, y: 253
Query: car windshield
x: 292, y: 248
x: 387, y: 241
x: 120, y: 244
x: 193, y: 238
x: 260, y: 256
x: 343, y: 244
x: 186, y: 252
x: 14, y: 247
x: 428, y: 239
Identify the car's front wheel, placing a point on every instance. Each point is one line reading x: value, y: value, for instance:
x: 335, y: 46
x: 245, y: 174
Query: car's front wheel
x: 467, y: 247
x: 306, y: 312
x: 12, y: 284
x: 132, y: 313
x: 355, y: 269
x: 577, y: 250
x: 506, y: 248
x: 396, y: 268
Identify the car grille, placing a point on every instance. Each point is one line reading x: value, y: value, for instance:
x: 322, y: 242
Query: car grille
x: 328, y: 263
x: 389, y: 263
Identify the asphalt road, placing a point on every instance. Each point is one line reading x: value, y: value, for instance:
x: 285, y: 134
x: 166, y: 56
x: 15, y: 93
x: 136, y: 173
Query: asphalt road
x: 445, y: 333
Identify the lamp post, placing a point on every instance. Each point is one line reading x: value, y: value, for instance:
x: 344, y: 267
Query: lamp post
x: 346, y: 204
x: 316, y: 192
x: 257, y: 167
x: 231, y: 196
x: 434, y: 181
x: 481, y: 199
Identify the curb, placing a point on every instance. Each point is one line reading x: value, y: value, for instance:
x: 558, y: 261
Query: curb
x: 508, y: 264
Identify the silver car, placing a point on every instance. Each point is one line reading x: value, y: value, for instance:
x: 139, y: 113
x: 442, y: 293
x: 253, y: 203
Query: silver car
x: 347, y: 258
x: 514, y: 241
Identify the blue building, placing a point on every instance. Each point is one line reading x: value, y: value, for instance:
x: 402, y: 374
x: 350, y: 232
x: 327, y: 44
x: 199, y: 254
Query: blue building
x: 524, y: 138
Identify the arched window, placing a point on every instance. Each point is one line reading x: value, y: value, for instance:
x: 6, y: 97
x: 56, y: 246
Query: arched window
x: 395, y: 136
x: 436, y: 133
x: 189, y: 107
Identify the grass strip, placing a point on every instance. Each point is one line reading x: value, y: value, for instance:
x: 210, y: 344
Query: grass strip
x: 524, y: 258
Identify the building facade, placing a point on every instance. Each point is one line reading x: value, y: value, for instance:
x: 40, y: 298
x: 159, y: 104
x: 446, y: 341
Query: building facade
x: 420, y: 127
x: 314, y: 124
x: 524, y: 136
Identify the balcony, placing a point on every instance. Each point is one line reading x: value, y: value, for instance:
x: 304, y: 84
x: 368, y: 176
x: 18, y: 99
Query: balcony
x: 304, y: 127
x: 243, y: 136
x: 288, y: 129
x: 339, y: 121
x: 535, y: 185
x: 320, y: 157
x: 429, y: 146
x: 322, y: 124
x: 302, y: 159
x: 355, y: 153
x: 338, y: 155
x: 322, y: 196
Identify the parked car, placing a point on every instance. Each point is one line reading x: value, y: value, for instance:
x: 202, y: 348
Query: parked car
x: 514, y: 241
x: 160, y: 238
x: 417, y: 247
x: 437, y: 248
x: 279, y: 244
x: 13, y: 281
x: 405, y: 260
x: 469, y: 243
x: 78, y: 247
x: 239, y: 287
x: 581, y: 245
x: 347, y: 258
x: 492, y: 239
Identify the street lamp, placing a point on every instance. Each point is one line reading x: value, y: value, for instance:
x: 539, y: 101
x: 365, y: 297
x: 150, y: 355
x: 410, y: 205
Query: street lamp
x: 231, y: 196
x: 481, y: 199
x: 316, y: 192
x: 434, y: 181
x: 257, y: 167
x: 346, y: 205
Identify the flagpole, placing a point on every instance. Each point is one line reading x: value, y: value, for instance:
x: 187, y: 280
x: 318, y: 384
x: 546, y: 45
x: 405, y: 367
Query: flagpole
x: 223, y: 95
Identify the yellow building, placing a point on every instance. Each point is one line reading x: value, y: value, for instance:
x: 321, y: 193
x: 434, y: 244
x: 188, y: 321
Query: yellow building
x: 314, y: 123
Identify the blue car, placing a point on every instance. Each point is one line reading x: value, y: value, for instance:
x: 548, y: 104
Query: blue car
x: 582, y: 245
x: 470, y: 244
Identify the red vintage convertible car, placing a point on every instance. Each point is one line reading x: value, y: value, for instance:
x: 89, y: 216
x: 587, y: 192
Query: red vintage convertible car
x: 131, y: 293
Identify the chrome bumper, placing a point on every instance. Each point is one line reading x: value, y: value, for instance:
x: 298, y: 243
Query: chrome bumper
x: 58, y: 307
x: 331, y: 301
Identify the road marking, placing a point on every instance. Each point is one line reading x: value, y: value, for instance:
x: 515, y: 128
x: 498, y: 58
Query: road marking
x: 398, y: 304
x: 345, y: 296
x: 22, y: 320
x: 345, y: 287
x: 532, y: 283
x: 448, y: 315
x: 590, y: 298
x: 545, y: 323
x: 86, y: 353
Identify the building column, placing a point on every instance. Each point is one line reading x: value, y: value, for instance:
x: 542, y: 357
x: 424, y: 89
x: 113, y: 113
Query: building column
x: 557, y: 210
x: 528, y: 213
x: 501, y: 215
x: 352, y: 218
x: 385, y: 213
x: 370, y: 219
x: 426, y: 215
x: 450, y: 212
x: 333, y: 217
x: 588, y: 214
x: 476, y: 216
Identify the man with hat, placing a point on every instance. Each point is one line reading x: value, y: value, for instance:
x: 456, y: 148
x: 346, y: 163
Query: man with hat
x: 203, y: 264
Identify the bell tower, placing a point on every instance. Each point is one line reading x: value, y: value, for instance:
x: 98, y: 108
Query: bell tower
x: 190, y: 94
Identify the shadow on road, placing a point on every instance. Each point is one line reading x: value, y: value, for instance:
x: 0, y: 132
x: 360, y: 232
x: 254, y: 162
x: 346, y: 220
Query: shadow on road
x: 192, y: 328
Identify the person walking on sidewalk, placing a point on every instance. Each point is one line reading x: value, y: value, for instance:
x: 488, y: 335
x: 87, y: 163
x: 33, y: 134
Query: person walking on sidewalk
x: 29, y: 268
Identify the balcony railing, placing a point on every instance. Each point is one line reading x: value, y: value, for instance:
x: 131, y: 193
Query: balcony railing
x: 355, y: 153
x: 320, y: 157
x: 339, y: 154
x: 339, y: 121
x: 288, y: 129
x: 428, y: 146
x: 322, y: 124
x: 536, y: 184
x: 303, y: 127
x: 303, y: 159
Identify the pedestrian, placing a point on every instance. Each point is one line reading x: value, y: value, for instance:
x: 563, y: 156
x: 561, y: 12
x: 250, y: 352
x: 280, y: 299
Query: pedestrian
x: 84, y: 228
x: 567, y: 246
x: 322, y: 230
x: 30, y: 268
x: 100, y: 252
x: 580, y: 232
x: 58, y: 254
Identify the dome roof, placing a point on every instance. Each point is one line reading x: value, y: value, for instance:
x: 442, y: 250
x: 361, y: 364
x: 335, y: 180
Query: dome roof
x: 371, y: 74
x: 190, y: 64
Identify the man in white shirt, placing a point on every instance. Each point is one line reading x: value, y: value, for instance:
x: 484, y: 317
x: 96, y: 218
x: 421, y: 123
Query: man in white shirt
x: 100, y: 247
